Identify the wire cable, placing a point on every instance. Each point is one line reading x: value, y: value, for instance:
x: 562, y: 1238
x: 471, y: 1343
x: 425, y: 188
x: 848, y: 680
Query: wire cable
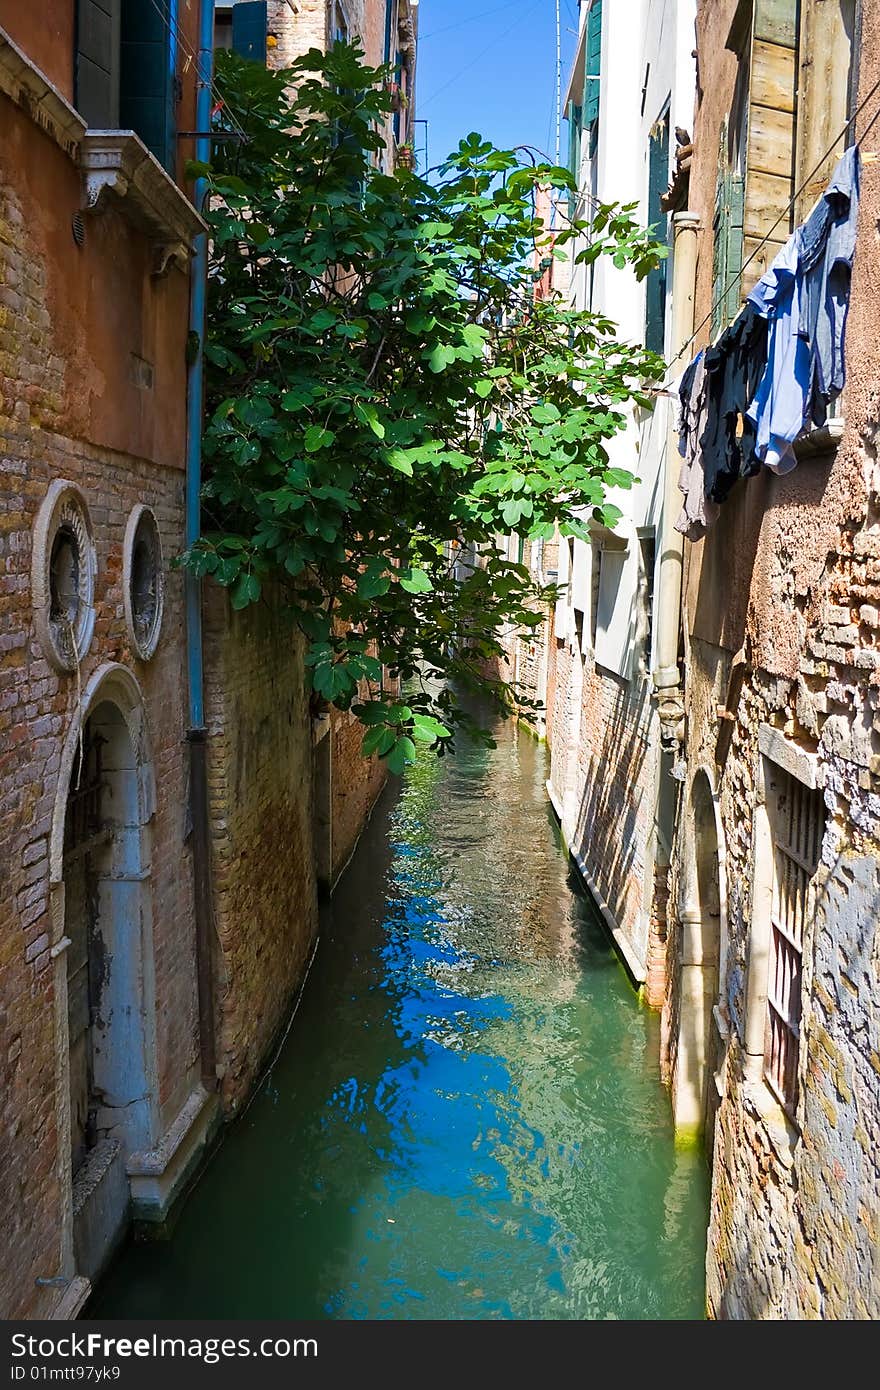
x: 163, y: 10
x: 467, y: 67
x: 785, y: 212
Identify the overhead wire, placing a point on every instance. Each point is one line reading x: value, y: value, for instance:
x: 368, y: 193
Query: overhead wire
x: 163, y: 9
x: 784, y: 213
x: 467, y: 67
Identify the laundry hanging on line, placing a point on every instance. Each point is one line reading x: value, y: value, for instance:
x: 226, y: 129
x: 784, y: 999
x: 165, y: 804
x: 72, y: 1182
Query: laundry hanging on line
x: 775, y: 370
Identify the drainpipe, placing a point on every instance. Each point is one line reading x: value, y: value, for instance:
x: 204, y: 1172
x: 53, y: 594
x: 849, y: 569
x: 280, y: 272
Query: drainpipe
x: 389, y: 6
x: 666, y: 674
x: 196, y: 732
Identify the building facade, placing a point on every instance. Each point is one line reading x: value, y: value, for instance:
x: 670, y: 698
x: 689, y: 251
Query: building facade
x: 169, y: 806
x: 771, y: 1025
x: 602, y: 727
x: 104, y: 1106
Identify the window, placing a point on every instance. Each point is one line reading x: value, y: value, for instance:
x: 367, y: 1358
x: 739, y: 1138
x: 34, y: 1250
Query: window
x: 593, y: 65
x: 124, y: 70
x: 339, y: 30
x: 798, y: 825
x: 655, y: 283
x: 648, y: 551
x: 223, y: 27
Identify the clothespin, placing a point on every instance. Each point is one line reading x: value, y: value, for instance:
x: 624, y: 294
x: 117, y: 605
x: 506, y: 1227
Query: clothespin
x: 870, y: 156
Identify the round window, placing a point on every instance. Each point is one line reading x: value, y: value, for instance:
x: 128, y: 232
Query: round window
x: 142, y: 581
x: 63, y: 576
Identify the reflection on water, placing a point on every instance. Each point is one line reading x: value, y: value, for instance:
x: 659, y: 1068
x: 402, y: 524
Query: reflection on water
x: 466, y: 1120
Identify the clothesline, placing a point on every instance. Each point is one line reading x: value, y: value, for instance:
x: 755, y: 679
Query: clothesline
x: 871, y: 157
x: 779, y: 366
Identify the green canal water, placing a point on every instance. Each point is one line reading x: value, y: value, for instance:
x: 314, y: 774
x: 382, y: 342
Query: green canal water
x: 466, y: 1119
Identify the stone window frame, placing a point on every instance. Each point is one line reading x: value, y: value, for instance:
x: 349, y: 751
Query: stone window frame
x: 779, y: 754
x: 144, y: 647
x: 63, y: 509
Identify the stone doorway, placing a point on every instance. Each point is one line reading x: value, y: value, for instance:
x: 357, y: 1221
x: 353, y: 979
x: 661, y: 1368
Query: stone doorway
x: 108, y: 975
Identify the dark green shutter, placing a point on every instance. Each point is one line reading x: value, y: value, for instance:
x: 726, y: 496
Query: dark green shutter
x: 96, y: 65
x: 655, y: 285
x: 146, y: 97
x: 593, y: 64
x: 727, y: 251
x: 574, y: 116
x: 249, y: 28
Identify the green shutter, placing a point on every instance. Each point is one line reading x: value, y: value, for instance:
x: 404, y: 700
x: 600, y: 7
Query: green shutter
x: 592, y: 64
x: 249, y: 28
x: 727, y: 251
x: 573, y: 116
x: 655, y: 284
x: 146, y: 99
x: 96, y: 63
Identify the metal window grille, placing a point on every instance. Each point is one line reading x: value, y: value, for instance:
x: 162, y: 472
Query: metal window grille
x: 797, y: 843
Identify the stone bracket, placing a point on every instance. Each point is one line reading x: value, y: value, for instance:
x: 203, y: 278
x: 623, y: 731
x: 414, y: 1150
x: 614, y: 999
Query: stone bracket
x: 118, y: 170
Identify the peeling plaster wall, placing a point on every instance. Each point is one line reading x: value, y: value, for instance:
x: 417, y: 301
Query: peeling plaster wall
x: 791, y: 575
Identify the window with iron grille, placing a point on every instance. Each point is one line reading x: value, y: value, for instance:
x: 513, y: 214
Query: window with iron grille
x: 798, y: 827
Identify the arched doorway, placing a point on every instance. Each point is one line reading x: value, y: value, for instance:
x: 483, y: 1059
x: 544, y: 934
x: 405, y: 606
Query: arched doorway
x: 700, y: 1047
x: 101, y: 870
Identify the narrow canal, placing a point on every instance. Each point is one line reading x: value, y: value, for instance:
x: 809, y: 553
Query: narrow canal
x: 466, y: 1120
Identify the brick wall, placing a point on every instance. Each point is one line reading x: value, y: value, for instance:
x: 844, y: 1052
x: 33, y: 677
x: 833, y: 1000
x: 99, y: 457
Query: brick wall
x: 53, y: 419
x: 357, y: 782
x: 259, y: 770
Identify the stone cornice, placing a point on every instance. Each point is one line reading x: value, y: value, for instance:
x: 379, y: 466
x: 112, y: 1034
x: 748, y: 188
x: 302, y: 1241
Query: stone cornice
x: 30, y: 89
x: 118, y: 168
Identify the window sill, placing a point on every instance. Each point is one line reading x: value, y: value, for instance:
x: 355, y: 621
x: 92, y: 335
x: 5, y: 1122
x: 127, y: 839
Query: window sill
x: 782, y: 1134
x: 117, y: 167
x: 824, y: 439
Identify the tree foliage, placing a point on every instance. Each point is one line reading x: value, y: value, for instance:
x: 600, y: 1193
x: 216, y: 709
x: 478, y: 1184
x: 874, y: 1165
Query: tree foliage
x: 386, y: 395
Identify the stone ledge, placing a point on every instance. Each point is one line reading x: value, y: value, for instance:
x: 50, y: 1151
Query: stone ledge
x: 158, y: 1175
x: 796, y: 761
x: 117, y: 166
x: 823, y: 439
x: 30, y: 89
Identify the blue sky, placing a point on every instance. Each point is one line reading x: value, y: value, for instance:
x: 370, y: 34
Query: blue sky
x: 490, y: 66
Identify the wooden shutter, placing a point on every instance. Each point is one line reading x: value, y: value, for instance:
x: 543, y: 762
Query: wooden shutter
x: 146, y: 102
x: 249, y: 27
x: 655, y: 285
x: 727, y: 253
x: 593, y: 64
x: 96, y: 63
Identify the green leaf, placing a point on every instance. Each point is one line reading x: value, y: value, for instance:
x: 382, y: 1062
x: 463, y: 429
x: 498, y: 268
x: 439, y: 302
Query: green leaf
x: 484, y: 387
x: 428, y: 729
x: 317, y: 438
x: 402, y: 754
x: 416, y: 581
x: 400, y: 461
x: 247, y: 590
x: 378, y: 740
x: 369, y: 415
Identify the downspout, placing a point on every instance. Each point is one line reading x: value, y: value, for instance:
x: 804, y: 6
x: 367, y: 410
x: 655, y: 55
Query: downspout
x: 666, y: 675
x: 196, y: 732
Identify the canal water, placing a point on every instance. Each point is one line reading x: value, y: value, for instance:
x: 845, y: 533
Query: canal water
x: 466, y: 1119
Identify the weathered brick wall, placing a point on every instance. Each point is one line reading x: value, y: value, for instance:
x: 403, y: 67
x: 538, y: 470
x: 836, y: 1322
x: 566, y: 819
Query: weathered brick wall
x: 260, y: 794
x: 791, y: 574
x: 55, y: 422
x: 357, y: 782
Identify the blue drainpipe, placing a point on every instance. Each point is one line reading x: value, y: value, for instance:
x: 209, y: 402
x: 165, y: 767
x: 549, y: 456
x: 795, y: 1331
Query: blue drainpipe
x: 389, y: 6
x: 196, y: 732
x: 199, y: 284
